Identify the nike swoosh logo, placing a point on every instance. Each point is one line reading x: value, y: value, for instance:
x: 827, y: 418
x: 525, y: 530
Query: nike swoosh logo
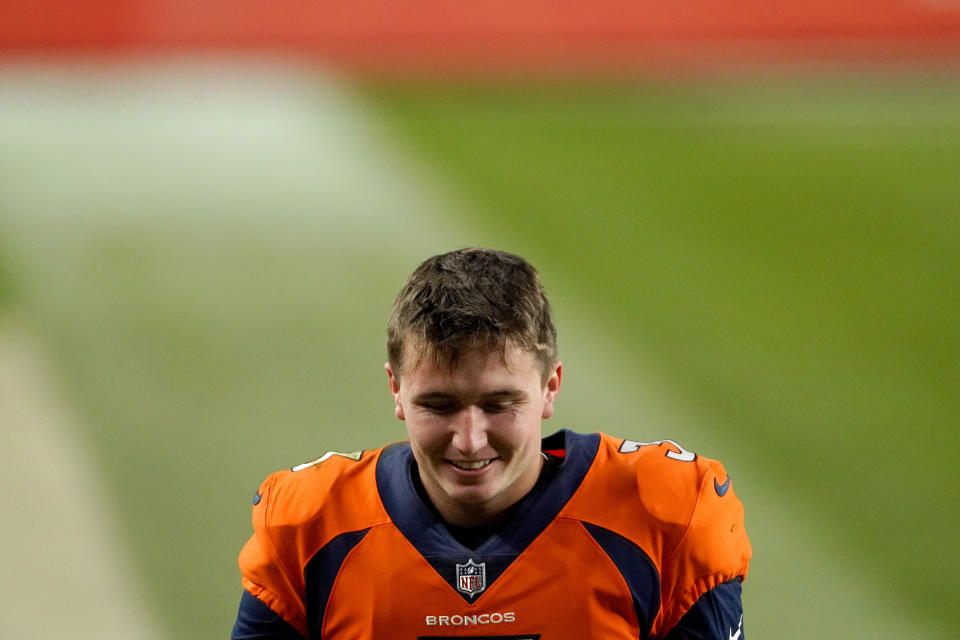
x: 721, y: 488
x: 730, y: 634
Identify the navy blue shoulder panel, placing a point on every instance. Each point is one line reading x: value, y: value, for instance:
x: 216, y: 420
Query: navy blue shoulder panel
x: 257, y: 621
x: 638, y: 572
x: 716, y: 614
x: 426, y: 531
x: 320, y: 574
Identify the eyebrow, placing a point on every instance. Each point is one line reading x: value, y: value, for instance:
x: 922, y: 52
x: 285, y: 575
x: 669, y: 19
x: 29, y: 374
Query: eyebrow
x: 500, y: 394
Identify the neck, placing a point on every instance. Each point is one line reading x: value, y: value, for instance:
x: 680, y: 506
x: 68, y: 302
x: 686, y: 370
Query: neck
x: 480, y: 514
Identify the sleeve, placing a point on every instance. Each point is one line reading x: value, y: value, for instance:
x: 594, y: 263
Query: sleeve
x: 713, y: 549
x: 257, y: 621
x: 267, y: 574
x: 716, y: 615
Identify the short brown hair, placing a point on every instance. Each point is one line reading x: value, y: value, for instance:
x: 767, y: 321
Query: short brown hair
x: 472, y: 299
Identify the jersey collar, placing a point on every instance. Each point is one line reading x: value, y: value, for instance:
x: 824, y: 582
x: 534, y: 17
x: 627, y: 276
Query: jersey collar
x: 427, y: 533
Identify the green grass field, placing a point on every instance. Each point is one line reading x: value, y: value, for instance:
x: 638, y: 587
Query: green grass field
x: 764, y: 271
x: 786, y: 255
x: 6, y: 284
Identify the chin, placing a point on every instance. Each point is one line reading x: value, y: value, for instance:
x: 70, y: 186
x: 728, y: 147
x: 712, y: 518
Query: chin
x: 470, y: 496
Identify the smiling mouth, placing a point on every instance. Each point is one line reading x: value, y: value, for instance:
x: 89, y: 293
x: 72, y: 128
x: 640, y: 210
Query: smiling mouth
x: 470, y: 465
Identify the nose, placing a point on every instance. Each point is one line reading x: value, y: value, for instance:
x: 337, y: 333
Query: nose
x: 470, y: 431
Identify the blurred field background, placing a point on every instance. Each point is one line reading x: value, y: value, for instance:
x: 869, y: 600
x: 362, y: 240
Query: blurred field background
x: 748, y: 227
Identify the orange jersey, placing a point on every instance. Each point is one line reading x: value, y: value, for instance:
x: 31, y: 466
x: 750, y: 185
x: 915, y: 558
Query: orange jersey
x: 619, y: 543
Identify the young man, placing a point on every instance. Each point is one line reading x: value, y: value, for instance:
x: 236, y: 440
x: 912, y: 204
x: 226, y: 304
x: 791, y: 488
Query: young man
x: 478, y: 527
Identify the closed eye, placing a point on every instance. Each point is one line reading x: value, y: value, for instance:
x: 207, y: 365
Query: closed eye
x: 503, y: 401
x: 439, y: 408
x: 497, y: 402
x: 498, y: 407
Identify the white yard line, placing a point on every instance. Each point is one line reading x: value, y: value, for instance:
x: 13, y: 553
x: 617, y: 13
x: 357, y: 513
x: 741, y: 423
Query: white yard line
x: 65, y: 572
x: 271, y: 151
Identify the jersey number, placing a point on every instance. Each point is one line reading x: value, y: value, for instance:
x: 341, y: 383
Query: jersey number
x: 681, y: 454
x: 353, y: 455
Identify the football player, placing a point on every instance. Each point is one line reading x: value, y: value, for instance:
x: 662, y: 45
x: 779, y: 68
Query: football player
x: 478, y: 526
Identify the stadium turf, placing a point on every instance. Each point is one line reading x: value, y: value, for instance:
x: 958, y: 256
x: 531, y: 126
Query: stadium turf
x: 211, y: 260
x: 784, y: 252
x: 6, y: 282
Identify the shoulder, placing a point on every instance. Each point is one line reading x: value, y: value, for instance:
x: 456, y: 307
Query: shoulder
x: 679, y: 507
x: 659, y: 479
x: 296, y: 513
x: 333, y: 493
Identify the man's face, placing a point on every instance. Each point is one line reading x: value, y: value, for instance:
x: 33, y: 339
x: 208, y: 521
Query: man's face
x: 475, y: 430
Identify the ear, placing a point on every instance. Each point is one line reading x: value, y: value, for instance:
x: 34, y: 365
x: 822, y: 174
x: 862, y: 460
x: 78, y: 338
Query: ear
x: 394, y: 391
x: 551, y: 389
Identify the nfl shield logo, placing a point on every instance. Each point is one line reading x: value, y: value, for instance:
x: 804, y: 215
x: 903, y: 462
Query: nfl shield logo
x: 472, y: 577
